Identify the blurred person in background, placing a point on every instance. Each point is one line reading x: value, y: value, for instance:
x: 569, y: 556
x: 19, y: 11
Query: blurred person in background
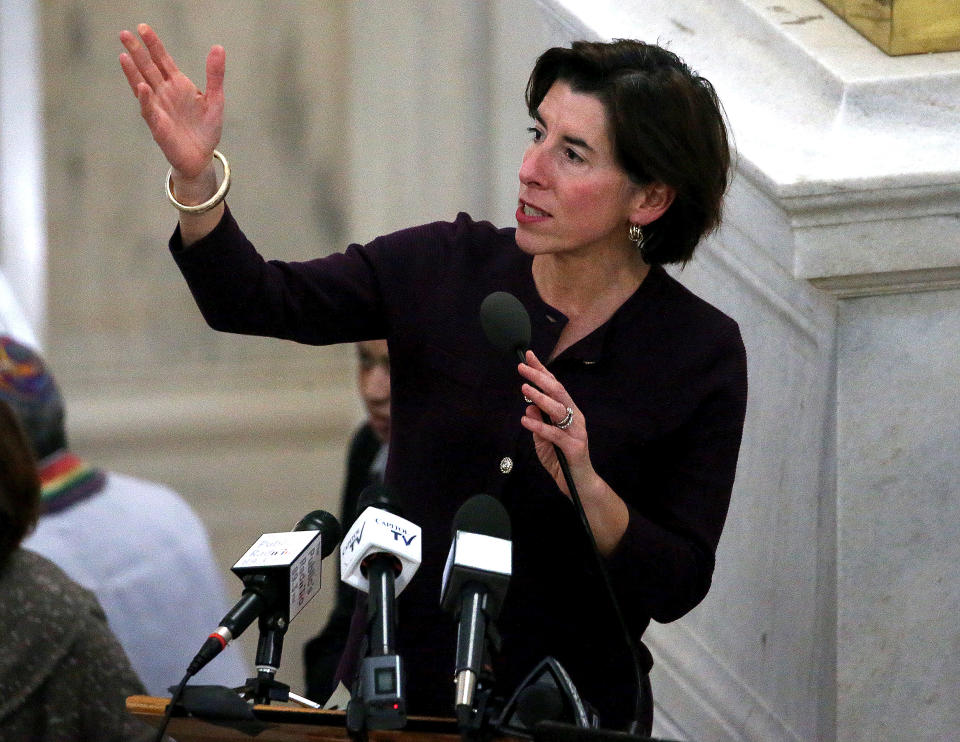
x: 63, y: 675
x: 137, y: 545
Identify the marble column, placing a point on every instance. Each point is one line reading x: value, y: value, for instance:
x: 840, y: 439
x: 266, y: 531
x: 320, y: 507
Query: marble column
x: 23, y: 244
x: 418, y: 108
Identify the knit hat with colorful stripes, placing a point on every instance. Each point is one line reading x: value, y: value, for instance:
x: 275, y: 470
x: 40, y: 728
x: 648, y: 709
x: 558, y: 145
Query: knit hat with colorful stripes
x: 29, y: 389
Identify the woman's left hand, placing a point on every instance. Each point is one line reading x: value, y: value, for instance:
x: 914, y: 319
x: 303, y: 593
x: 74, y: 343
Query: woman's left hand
x: 605, y: 510
x: 549, y: 398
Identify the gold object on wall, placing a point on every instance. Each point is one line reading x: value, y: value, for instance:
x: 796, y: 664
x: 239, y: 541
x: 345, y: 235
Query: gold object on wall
x: 904, y: 26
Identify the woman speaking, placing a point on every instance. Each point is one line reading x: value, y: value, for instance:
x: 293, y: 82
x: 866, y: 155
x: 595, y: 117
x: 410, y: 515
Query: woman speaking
x: 639, y: 384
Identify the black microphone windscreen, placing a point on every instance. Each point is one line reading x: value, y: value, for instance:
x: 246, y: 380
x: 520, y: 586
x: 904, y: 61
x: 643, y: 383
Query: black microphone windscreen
x: 378, y: 496
x: 505, y: 322
x: 485, y: 515
x: 327, y: 524
x: 537, y: 703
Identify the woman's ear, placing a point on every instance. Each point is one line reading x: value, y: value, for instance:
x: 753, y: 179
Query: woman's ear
x: 651, y: 201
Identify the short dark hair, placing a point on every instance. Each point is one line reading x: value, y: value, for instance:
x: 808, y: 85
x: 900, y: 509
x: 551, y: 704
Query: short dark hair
x: 19, y: 484
x: 667, y: 126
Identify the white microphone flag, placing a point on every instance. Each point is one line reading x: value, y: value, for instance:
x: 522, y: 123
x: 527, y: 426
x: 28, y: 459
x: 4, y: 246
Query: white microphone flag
x: 378, y: 531
x: 295, y: 553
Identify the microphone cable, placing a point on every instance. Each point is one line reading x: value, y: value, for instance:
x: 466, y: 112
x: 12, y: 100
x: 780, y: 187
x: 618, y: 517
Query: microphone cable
x: 174, y: 699
x: 506, y: 323
x: 602, y: 568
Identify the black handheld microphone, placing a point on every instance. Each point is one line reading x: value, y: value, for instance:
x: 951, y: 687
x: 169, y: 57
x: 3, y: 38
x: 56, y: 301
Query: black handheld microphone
x: 278, y: 567
x: 506, y: 324
x: 475, y: 581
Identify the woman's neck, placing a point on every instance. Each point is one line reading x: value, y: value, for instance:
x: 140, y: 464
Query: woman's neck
x: 587, y: 291
x: 575, y: 285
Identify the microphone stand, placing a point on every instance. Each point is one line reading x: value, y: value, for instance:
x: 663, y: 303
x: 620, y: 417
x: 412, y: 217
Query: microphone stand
x: 378, y: 698
x: 474, y: 720
x: 265, y: 687
x: 273, y: 625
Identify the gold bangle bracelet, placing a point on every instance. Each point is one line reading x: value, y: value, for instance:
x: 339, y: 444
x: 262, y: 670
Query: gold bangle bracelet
x: 210, y: 202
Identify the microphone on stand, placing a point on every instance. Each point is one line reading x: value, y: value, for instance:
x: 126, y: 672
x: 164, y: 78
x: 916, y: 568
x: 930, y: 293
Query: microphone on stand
x: 506, y: 324
x: 280, y: 572
x: 379, y: 556
x: 304, y: 583
x: 475, y: 581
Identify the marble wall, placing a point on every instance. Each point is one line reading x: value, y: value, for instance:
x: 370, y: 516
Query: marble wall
x: 116, y: 309
x: 898, y: 641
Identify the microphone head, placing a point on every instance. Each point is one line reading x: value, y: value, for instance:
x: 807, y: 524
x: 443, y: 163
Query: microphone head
x: 505, y: 323
x: 537, y: 703
x: 327, y: 524
x: 483, y: 514
x: 378, y: 496
x: 481, y: 553
x: 291, y: 560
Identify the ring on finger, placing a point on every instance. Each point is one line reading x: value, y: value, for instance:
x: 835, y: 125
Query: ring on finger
x: 567, y: 420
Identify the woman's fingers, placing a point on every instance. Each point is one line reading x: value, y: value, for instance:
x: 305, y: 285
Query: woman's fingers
x: 549, y: 397
x: 554, y: 409
x: 216, y: 67
x: 184, y: 121
x: 158, y: 53
x: 132, y: 73
x: 141, y: 59
x: 534, y: 422
x: 141, y: 91
x: 530, y: 358
x: 545, y: 383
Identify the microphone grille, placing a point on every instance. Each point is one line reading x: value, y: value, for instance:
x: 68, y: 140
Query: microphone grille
x: 378, y: 496
x: 327, y: 524
x: 485, y: 515
x: 505, y: 322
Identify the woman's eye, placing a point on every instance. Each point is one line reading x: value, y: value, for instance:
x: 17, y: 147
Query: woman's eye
x: 535, y: 133
x: 572, y: 155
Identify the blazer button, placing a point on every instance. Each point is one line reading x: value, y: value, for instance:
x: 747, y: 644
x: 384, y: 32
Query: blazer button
x: 506, y: 465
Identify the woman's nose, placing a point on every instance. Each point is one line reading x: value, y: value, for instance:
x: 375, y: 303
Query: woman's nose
x: 531, y: 167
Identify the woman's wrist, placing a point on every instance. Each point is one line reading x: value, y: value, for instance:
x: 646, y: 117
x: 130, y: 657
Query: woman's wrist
x: 607, y: 513
x: 196, y: 195
x: 192, y: 191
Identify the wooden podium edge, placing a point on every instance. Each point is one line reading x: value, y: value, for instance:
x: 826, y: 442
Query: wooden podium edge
x: 286, y: 723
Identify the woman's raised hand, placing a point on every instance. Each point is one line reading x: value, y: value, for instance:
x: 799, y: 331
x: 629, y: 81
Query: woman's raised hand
x: 184, y: 121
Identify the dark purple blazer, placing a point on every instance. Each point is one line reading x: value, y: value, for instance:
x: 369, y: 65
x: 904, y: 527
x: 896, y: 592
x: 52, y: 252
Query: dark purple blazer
x: 662, y: 386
